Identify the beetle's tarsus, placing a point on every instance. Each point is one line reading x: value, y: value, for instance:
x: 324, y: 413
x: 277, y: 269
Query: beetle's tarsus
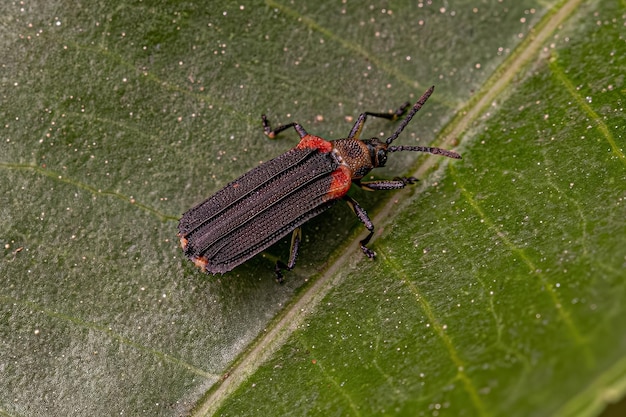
x: 401, y: 111
x: 407, y: 180
x: 278, y: 270
x: 267, y: 130
x: 368, y: 252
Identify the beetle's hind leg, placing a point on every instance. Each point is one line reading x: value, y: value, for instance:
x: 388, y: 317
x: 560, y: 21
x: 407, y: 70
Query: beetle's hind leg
x: 296, y: 238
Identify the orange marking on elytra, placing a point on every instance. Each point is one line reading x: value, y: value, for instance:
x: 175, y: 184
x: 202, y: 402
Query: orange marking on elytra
x: 341, y: 182
x: 201, y: 262
x: 315, y: 142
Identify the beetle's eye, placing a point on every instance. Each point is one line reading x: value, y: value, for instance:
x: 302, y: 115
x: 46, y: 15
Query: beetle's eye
x: 381, y: 157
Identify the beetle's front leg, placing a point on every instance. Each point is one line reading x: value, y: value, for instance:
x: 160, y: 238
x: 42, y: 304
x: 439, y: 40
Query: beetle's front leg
x: 362, y: 215
x: 355, y: 133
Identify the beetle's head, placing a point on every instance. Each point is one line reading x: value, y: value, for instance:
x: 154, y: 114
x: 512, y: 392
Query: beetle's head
x: 377, y: 151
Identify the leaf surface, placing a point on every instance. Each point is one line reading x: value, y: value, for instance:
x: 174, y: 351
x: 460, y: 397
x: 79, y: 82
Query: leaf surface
x: 499, y: 283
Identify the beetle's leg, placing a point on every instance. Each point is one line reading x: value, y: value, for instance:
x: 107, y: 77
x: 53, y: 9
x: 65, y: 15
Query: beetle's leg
x: 395, y: 184
x: 271, y: 133
x: 358, y: 126
x: 280, y: 266
x: 362, y: 215
x: 296, y: 238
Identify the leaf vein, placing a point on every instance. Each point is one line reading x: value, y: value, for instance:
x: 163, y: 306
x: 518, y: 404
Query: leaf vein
x: 113, y: 335
x: 95, y: 191
x: 547, y: 286
x: 439, y: 330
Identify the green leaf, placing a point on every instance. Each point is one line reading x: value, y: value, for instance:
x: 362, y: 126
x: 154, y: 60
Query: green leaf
x: 498, y: 288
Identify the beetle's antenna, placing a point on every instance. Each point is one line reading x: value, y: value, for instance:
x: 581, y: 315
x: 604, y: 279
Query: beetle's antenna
x: 405, y: 122
x: 408, y: 118
x: 436, y: 151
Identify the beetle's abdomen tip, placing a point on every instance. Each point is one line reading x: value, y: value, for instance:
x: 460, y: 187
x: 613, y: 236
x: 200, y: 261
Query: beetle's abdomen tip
x: 201, y: 262
x: 183, y: 242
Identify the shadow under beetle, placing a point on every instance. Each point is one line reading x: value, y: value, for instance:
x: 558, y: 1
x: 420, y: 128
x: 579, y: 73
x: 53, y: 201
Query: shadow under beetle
x: 277, y: 197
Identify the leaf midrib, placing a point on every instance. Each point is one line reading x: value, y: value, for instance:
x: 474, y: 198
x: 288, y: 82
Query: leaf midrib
x: 307, y: 300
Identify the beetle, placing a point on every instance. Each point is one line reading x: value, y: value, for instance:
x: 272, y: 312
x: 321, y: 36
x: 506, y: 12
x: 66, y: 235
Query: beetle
x: 276, y: 198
